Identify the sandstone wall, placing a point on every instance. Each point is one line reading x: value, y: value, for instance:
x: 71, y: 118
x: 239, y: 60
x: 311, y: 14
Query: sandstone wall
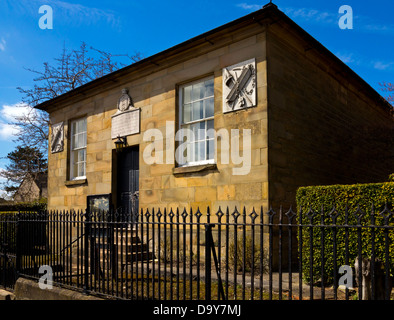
x: 318, y: 116
x: 154, y: 91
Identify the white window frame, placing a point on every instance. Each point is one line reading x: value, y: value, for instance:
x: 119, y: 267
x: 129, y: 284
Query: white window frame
x: 203, y: 119
x: 74, y: 175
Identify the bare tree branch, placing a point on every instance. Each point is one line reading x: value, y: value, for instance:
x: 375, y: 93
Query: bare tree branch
x: 388, y: 87
x: 72, y: 69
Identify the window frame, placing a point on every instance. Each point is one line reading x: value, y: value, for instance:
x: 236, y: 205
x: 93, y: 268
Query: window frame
x: 74, y: 176
x: 182, y: 125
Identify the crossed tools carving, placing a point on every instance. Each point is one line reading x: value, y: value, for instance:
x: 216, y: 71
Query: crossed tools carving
x: 238, y: 86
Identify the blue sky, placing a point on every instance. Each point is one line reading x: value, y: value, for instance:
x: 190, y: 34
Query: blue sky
x: 150, y: 26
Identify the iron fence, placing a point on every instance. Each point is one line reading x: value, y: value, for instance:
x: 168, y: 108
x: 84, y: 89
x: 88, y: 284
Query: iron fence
x: 193, y: 255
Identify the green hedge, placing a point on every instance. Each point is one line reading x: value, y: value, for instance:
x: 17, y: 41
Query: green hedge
x: 324, y: 199
x: 24, y: 206
x: 8, y: 217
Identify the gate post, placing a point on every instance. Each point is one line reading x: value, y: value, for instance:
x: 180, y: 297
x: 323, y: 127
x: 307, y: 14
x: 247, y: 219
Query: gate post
x: 86, y: 258
x: 18, y: 245
x: 208, y: 249
x: 3, y: 253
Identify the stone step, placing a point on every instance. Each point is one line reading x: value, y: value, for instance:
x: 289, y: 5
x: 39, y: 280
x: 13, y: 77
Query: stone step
x: 119, y: 239
x: 133, y: 257
x: 127, y: 242
x: 139, y: 247
x: 138, y: 256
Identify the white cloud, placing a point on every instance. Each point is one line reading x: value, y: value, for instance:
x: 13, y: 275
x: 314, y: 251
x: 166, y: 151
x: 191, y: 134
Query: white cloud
x: 2, y: 180
x: 7, y: 131
x: 361, y: 23
x: 2, y: 44
x: 83, y: 13
x: 377, y: 28
x: 8, y: 113
x: 369, y: 25
x: 356, y: 59
x: 379, y: 65
x: 312, y: 15
x: 308, y: 14
x: 73, y: 13
x: 252, y: 7
x: 346, y: 57
x: 351, y: 58
x: 3, y: 193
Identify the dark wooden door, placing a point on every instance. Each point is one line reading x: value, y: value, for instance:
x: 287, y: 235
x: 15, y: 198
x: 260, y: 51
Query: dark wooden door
x: 128, y: 180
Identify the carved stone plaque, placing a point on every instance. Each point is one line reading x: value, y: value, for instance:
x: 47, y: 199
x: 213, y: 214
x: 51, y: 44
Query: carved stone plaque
x: 57, y: 137
x: 125, y: 123
x: 239, y: 86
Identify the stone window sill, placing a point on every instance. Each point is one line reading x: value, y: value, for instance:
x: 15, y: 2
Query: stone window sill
x: 194, y: 169
x: 70, y: 183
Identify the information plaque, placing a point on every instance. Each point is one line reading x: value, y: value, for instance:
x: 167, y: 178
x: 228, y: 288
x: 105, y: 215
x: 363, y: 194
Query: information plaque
x: 125, y: 123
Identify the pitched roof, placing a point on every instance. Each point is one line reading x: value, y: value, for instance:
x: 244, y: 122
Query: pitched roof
x: 40, y: 179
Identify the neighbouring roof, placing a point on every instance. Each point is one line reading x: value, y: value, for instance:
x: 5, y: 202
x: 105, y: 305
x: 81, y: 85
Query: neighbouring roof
x: 269, y: 14
x: 40, y: 179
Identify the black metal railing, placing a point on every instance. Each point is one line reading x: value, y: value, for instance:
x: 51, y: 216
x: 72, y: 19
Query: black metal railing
x: 178, y: 254
x: 8, y: 249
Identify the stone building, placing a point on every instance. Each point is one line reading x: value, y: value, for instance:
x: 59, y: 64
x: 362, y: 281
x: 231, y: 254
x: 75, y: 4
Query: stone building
x: 32, y: 188
x: 275, y: 110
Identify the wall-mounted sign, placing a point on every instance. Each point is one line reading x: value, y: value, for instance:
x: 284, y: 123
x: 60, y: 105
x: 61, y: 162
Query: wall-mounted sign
x: 57, y: 137
x: 239, y: 86
x: 126, y: 121
x: 97, y: 203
